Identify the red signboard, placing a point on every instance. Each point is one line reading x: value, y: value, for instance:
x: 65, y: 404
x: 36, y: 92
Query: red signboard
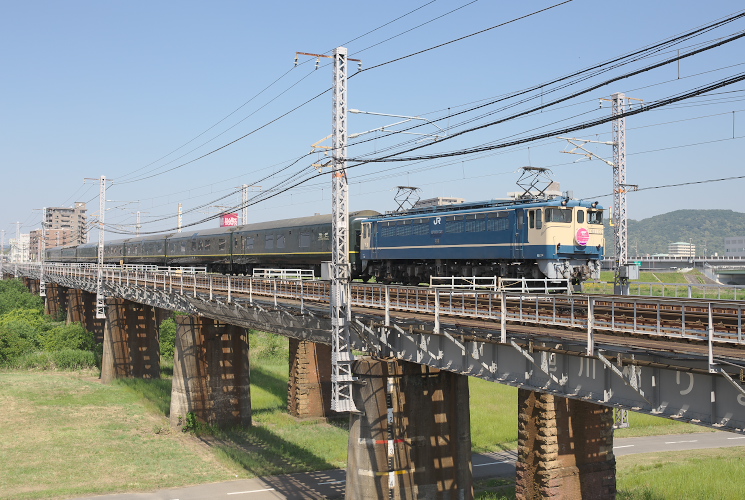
x: 228, y: 220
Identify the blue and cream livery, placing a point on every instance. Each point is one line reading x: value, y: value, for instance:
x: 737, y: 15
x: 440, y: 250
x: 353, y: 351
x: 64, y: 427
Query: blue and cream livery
x: 556, y: 239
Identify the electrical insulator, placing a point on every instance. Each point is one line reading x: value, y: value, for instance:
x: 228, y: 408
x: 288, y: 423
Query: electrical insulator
x: 359, y: 66
x: 296, y: 57
x: 318, y: 62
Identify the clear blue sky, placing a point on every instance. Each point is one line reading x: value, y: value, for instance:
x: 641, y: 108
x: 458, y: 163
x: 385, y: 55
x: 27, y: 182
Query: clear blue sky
x: 120, y: 89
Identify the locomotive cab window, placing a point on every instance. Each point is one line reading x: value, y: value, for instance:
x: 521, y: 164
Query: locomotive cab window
x: 559, y: 215
x: 594, y: 216
x: 580, y: 216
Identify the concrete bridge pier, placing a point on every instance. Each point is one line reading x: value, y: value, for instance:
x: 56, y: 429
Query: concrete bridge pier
x: 55, y: 303
x: 211, y: 377
x: 75, y: 310
x: 412, y: 437
x: 90, y: 322
x: 309, y: 387
x: 130, y: 345
x: 565, y: 448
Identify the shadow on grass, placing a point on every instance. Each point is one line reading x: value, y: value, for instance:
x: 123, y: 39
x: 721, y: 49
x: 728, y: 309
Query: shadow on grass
x: 261, y: 452
x: 154, y: 390
x: 270, y: 382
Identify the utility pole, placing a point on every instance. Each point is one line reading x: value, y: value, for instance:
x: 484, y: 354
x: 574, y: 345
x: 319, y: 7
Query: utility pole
x: 623, y: 270
x: 18, y: 247
x: 341, y: 311
x: 100, y: 298
x: 2, y: 253
x: 43, y: 247
x: 179, y: 219
x: 244, y: 202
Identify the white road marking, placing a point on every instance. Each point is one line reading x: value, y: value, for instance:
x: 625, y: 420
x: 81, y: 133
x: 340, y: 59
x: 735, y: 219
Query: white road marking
x: 624, y: 446
x: 334, y: 482
x: 252, y: 491
x: 676, y: 442
x: 490, y: 463
x: 741, y: 437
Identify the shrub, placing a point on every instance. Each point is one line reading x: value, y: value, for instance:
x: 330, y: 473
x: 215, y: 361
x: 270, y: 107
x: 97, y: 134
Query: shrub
x: 72, y: 336
x: 14, y: 295
x: 17, y: 338
x: 167, y: 338
x: 67, y: 359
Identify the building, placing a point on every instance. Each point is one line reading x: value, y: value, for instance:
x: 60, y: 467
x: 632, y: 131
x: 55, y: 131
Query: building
x: 734, y: 247
x: 66, y: 226
x: 19, y: 249
x: 681, y: 249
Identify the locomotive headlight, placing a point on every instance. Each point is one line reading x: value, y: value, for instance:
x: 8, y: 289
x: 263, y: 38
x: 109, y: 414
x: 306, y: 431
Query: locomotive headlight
x: 563, y: 203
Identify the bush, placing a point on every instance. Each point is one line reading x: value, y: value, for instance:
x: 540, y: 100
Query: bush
x: 14, y: 295
x: 17, y: 338
x: 167, y: 338
x: 67, y: 359
x: 64, y: 337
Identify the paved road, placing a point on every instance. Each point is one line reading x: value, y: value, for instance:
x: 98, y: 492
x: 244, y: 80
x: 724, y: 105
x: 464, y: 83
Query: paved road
x: 330, y: 484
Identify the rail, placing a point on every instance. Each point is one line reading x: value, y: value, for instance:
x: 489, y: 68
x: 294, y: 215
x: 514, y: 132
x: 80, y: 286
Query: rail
x: 715, y: 322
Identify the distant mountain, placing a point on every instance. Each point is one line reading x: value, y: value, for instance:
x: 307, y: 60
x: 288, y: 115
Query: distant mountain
x: 704, y: 228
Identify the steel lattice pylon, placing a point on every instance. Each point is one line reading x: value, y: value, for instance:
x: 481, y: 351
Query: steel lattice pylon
x: 341, y: 313
x: 100, y: 298
x: 620, y: 217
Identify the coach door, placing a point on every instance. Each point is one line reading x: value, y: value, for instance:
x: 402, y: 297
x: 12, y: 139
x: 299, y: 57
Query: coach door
x: 518, y: 234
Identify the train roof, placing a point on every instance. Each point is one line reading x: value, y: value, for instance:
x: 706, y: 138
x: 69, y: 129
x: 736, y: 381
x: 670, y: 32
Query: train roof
x: 490, y: 204
x: 277, y: 224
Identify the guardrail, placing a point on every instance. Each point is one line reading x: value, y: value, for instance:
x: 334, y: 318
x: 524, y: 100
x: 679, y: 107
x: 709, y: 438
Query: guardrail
x: 682, y: 290
x: 286, y: 274
x: 523, y: 285
x: 720, y: 322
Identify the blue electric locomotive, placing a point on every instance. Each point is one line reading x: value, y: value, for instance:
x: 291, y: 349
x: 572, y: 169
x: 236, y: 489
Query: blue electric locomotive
x: 555, y: 238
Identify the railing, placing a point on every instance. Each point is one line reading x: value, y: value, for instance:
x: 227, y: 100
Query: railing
x: 285, y: 274
x: 714, y: 322
x: 682, y: 290
x: 523, y: 285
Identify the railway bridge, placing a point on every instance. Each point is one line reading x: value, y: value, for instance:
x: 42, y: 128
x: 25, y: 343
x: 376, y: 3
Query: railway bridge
x: 573, y: 357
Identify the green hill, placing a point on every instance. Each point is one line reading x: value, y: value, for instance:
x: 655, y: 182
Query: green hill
x: 704, y: 228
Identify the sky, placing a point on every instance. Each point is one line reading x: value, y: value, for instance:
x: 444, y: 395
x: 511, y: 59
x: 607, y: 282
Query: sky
x: 182, y: 102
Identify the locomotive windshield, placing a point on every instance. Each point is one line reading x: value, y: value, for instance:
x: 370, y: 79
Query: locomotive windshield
x: 594, y: 217
x: 558, y: 214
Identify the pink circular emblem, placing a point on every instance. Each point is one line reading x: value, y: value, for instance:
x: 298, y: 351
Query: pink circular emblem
x: 583, y: 236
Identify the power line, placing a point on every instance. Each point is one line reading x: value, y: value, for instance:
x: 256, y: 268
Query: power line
x: 463, y: 37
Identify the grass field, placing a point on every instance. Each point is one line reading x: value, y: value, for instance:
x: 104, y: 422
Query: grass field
x: 65, y: 434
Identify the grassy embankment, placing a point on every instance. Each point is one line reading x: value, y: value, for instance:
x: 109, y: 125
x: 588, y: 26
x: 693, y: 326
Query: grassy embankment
x: 657, y: 284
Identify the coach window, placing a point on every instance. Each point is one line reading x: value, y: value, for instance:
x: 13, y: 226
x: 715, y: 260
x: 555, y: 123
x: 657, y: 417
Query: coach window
x: 280, y: 241
x: 249, y: 242
x: 304, y: 240
x: 221, y: 244
x: 268, y: 242
x: 580, y: 216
